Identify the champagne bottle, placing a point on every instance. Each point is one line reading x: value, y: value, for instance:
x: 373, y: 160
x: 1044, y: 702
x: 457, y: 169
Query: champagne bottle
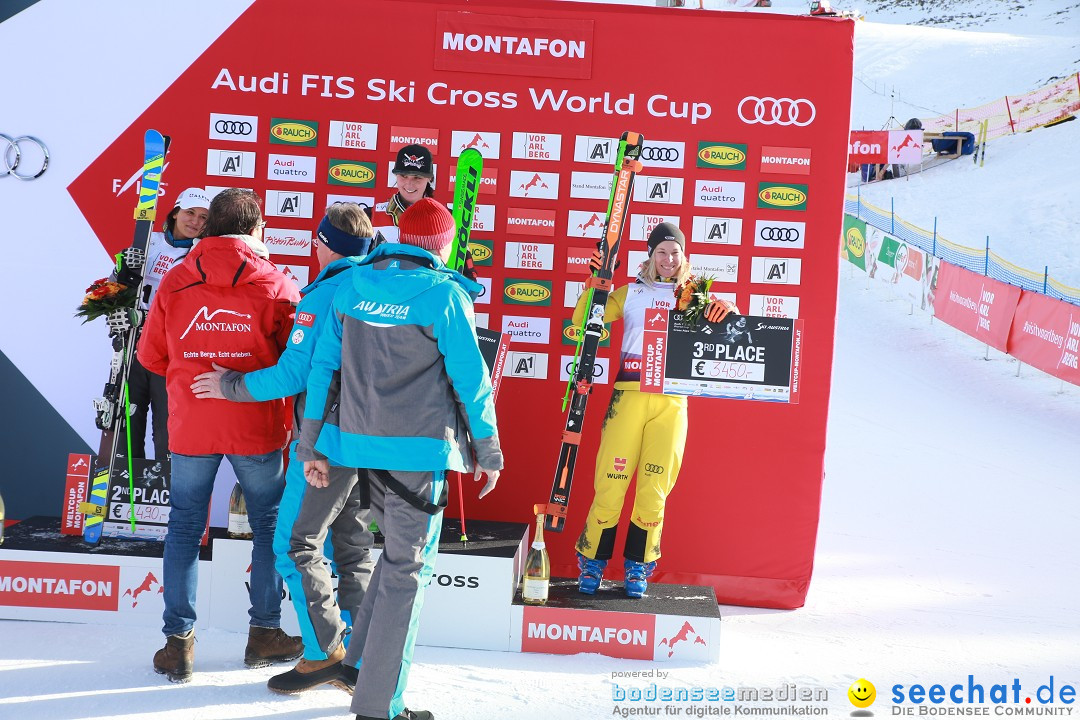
x: 537, y: 574
x: 239, y: 527
x: 1, y: 519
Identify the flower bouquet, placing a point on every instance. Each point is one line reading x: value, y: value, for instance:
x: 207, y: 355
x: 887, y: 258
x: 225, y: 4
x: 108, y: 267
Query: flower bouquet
x: 692, y: 297
x: 102, y: 297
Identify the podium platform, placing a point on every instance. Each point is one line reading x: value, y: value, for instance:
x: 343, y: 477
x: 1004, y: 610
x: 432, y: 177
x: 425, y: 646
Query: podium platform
x: 472, y: 602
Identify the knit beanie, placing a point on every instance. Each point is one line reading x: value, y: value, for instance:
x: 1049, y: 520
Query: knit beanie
x: 666, y: 231
x: 427, y: 224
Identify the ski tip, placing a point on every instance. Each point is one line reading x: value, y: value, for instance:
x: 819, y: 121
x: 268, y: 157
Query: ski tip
x: 632, y: 138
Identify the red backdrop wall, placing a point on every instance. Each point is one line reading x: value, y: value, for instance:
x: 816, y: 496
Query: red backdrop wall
x: 743, y: 517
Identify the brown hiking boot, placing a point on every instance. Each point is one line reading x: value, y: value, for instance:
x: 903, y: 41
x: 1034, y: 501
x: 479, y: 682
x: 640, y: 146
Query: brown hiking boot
x: 270, y: 645
x: 309, y: 674
x: 177, y: 658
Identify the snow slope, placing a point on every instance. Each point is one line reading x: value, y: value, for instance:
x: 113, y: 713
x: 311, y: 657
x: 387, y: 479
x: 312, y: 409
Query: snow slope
x: 951, y: 509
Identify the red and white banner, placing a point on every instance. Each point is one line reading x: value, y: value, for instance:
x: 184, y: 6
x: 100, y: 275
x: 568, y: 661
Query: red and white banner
x: 1046, y: 334
x: 979, y: 306
x: 542, y: 89
x: 901, y: 147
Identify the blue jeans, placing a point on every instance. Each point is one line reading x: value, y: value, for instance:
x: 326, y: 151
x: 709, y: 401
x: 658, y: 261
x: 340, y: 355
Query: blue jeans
x: 262, y: 481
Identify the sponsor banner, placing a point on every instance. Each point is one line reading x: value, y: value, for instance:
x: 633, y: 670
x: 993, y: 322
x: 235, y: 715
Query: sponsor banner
x: 513, y: 45
x: 481, y: 251
x: 485, y: 296
x: 291, y: 168
x: 572, y: 290
x: 483, y: 320
x: 401, y: 136
x: 775, y: 270
x: 65, y: 586
x: 717, y: 230
x: 212, y: 191
x: 562, y: 631
x: 286, y: 203
x: 483, y: 219
x: 651, y: 188
x: 719, y: 193
x: 679, y: 637
x: 785, y: 306
x: 366, y: 200
x: 905, y: 147
x: 853, y: 248
x: 281, y: 241
x: 351, y: 172
x: 297, y: 273
x: 781, y: 234
x: 722, y: 155
x: 528, y: 221
x: 525, y: 329
x: 571, y: 333
x: 577, y: 261
x: 489, y: 179
x: 634, y: 259
x: 520, y: 291
x: 391, y: 178
x: 744, y: 357
x: 663, y: 153
x: 354, y: 135
x: 529, y: 255
x: 585, y: 224
x: 532, y: 365
x: 977, y: 305
x: 868, y: 146
x: 536, y: 146
x: 593, y: 149
x: 642, y: 225
x: 591, y: 185
x: 782, y: 196
x: 486, y: 142
x: 911, y: 274
x: 75, y: 491
x: 1045, y: 334
x: 235, y: 128
x: 601, y: 372
x: 724, y: 268
x: 493, y: 347
x: 231, y: 163
x: 785, y: 160
x: 298, y: 133
x: 528, y: 184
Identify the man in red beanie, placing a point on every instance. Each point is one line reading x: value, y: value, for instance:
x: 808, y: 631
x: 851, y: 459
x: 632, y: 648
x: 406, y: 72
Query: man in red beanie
x: 414, y: 403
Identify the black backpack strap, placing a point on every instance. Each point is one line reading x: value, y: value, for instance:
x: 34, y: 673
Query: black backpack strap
x: 392, y: 484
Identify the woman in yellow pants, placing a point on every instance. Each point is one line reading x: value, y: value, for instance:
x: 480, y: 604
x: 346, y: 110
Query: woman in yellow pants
x: 642, y: 432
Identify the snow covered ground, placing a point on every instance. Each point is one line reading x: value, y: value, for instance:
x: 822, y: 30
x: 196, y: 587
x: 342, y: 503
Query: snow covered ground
x: 951, y: 510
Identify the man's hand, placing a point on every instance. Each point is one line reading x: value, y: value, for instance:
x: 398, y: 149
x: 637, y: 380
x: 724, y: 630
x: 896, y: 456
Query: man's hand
x: 493, y: 477
x: 717, y: 310
x: 317, y: 473
x: 208, y: 385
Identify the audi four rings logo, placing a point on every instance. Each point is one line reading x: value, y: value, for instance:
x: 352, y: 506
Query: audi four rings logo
x: 654, y: 469
x: 232, y: 127
x: 597, y: 369
x: 799, y: 112
x: 13, y: 157
x: 779, y: 234
x: 659, y: 154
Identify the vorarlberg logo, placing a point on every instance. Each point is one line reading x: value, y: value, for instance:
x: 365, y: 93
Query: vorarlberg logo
x: 1007, y: 699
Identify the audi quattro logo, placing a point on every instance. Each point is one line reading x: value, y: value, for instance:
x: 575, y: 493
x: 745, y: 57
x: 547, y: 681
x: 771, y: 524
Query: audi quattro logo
x: 779, y: 234
x: 754, y: 110
x: 233, y: 127
x: 13, y: 157
x: 660, y: 154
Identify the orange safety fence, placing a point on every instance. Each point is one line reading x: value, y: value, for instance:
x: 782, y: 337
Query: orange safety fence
x: 1014, y: 113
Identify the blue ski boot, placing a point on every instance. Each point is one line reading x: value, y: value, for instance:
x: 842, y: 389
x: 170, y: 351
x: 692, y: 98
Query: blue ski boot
x: 592, y: 574
x: 637, y: 577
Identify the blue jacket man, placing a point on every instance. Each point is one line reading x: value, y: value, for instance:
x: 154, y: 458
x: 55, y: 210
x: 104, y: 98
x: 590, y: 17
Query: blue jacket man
x: 398, y: 387
x: 314, y: 524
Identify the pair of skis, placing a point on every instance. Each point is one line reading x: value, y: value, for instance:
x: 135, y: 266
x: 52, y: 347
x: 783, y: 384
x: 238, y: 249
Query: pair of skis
x: 627, y: 165
x: 114, y: 407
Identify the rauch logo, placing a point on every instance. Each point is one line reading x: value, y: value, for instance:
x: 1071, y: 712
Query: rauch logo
x: 732, y: 157
x: 294, y: 132
x: 527, y: 292
x: 349, y: 173
x: 480, y: 253
x: 856, y: 243
x: 787, y: 197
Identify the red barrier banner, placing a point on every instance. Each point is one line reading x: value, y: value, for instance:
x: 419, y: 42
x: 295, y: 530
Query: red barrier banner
x: 543, y: 90
x: 868, y: 146
x: 977, y: 305
x: 1046, y: 334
